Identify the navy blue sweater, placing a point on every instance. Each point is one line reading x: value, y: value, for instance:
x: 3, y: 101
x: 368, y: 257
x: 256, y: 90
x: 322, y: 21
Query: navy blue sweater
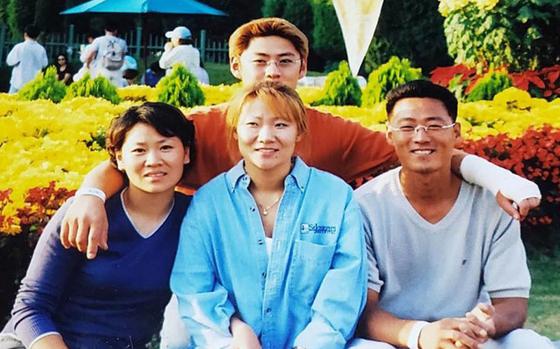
x: 113, y: 301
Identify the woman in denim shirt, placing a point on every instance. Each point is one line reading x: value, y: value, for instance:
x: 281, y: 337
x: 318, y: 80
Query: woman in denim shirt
x: 271, y: 253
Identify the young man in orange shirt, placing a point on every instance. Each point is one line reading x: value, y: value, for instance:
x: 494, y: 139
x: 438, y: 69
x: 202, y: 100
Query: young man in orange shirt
x: 272, y: 49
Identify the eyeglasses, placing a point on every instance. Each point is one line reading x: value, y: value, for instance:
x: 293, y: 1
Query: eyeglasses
x: 409, y: 129
x: 283, y: 63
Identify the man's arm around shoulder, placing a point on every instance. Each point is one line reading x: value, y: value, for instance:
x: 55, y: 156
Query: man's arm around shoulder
x: 85, y: 223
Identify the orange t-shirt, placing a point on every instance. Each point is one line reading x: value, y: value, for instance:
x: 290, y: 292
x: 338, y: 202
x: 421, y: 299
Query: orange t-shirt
x: 333, y: 144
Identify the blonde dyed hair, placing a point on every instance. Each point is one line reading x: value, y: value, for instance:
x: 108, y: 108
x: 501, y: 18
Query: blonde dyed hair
x: 282, y: 100
x: 242, y: 36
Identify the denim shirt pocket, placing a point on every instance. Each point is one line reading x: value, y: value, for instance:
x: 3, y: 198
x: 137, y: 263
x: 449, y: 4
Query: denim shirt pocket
x: 310, y: 264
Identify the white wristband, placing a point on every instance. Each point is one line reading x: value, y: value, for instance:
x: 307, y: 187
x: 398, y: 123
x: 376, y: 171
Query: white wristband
x: 92, y: 191
x: 479, y: 171
x: 414, y: 335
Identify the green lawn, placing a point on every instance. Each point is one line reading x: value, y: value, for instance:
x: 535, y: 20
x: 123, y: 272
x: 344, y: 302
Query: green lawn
x: 219, y: 74
x: 544, y: 304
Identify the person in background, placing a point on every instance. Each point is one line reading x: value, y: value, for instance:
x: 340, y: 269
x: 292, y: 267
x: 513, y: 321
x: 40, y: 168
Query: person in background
x: 180, y: 50
x: 447, y: 267
x: 27, y: 59
x: 83, y: 54
x: 129, y: 71
x: 117, y: 300
x: 153, y: 74
x: 105, y: 55
x: 202, y: 75
x: 63, y: 69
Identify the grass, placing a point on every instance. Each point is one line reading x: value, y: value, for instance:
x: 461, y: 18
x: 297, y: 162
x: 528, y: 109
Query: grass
x: 219, y: 74
x: 544, y: 303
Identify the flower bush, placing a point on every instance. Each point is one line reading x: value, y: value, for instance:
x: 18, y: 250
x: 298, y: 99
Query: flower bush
x: 46, y: 148
x: 180, y: 88
x: 460, y: 79
x: 536, y: 156
x: 43, y: 142
x: 341, y: 88
x: 45, y: 86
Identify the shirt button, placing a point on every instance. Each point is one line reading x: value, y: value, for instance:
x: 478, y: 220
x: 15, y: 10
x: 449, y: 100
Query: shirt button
x: 268, y: 310
x: 253, y: 209
x: 263, y: 274
x: 260, y: 241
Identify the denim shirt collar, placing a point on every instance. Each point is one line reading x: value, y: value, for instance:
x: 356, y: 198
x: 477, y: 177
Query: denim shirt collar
x: 298, y: 176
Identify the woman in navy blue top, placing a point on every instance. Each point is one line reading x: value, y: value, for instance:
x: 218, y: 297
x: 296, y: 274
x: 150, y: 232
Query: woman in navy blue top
x: 116, y: 300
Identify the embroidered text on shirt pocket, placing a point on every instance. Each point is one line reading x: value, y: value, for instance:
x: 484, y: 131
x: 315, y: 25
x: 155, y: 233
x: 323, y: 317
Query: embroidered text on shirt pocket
x: 309, y: 265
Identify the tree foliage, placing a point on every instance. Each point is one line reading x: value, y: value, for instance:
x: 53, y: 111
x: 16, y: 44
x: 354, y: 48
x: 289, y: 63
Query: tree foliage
x: 298, y: 12
x: 47, y: 16
x: 19, y: 14
x: 326, y: 38
x: 411, y: 29
x: 3, y: 11
x: 519, y: 34
x: 240, y: 11
x: 406, y: 28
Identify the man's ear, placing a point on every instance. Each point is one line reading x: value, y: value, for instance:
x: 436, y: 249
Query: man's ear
x: 235, y: 67
x: 389, y: 134
x: 187, y: 158
x: 389, y: 137
x: 303, y: 68
x: 118, y: 158
x: 457, y: 133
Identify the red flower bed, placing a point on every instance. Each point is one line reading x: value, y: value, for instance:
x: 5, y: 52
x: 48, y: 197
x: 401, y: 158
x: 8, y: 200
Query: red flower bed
x: 536, y: 156
x: 540, y: 83
x: 544, y: 83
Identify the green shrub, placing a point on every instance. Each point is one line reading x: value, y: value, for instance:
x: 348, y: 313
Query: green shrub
x: 388, y: 76
x: 180, y: 88
x: 488, y: 86
x: 341, y: 88
x: 44, y: 86
x: 99, y: 87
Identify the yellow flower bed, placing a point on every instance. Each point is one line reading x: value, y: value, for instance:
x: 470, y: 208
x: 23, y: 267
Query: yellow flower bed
x: 41, y: 141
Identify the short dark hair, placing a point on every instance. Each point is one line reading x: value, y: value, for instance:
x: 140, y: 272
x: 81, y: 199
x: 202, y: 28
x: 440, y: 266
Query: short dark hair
x: 166, y: 119
x: 187, y: 41
x: 31, y: 30
x: 110, y: 26
x: 422, y: 89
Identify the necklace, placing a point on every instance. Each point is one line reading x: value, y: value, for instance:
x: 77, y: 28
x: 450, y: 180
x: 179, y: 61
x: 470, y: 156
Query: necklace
x: 265, y: 209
